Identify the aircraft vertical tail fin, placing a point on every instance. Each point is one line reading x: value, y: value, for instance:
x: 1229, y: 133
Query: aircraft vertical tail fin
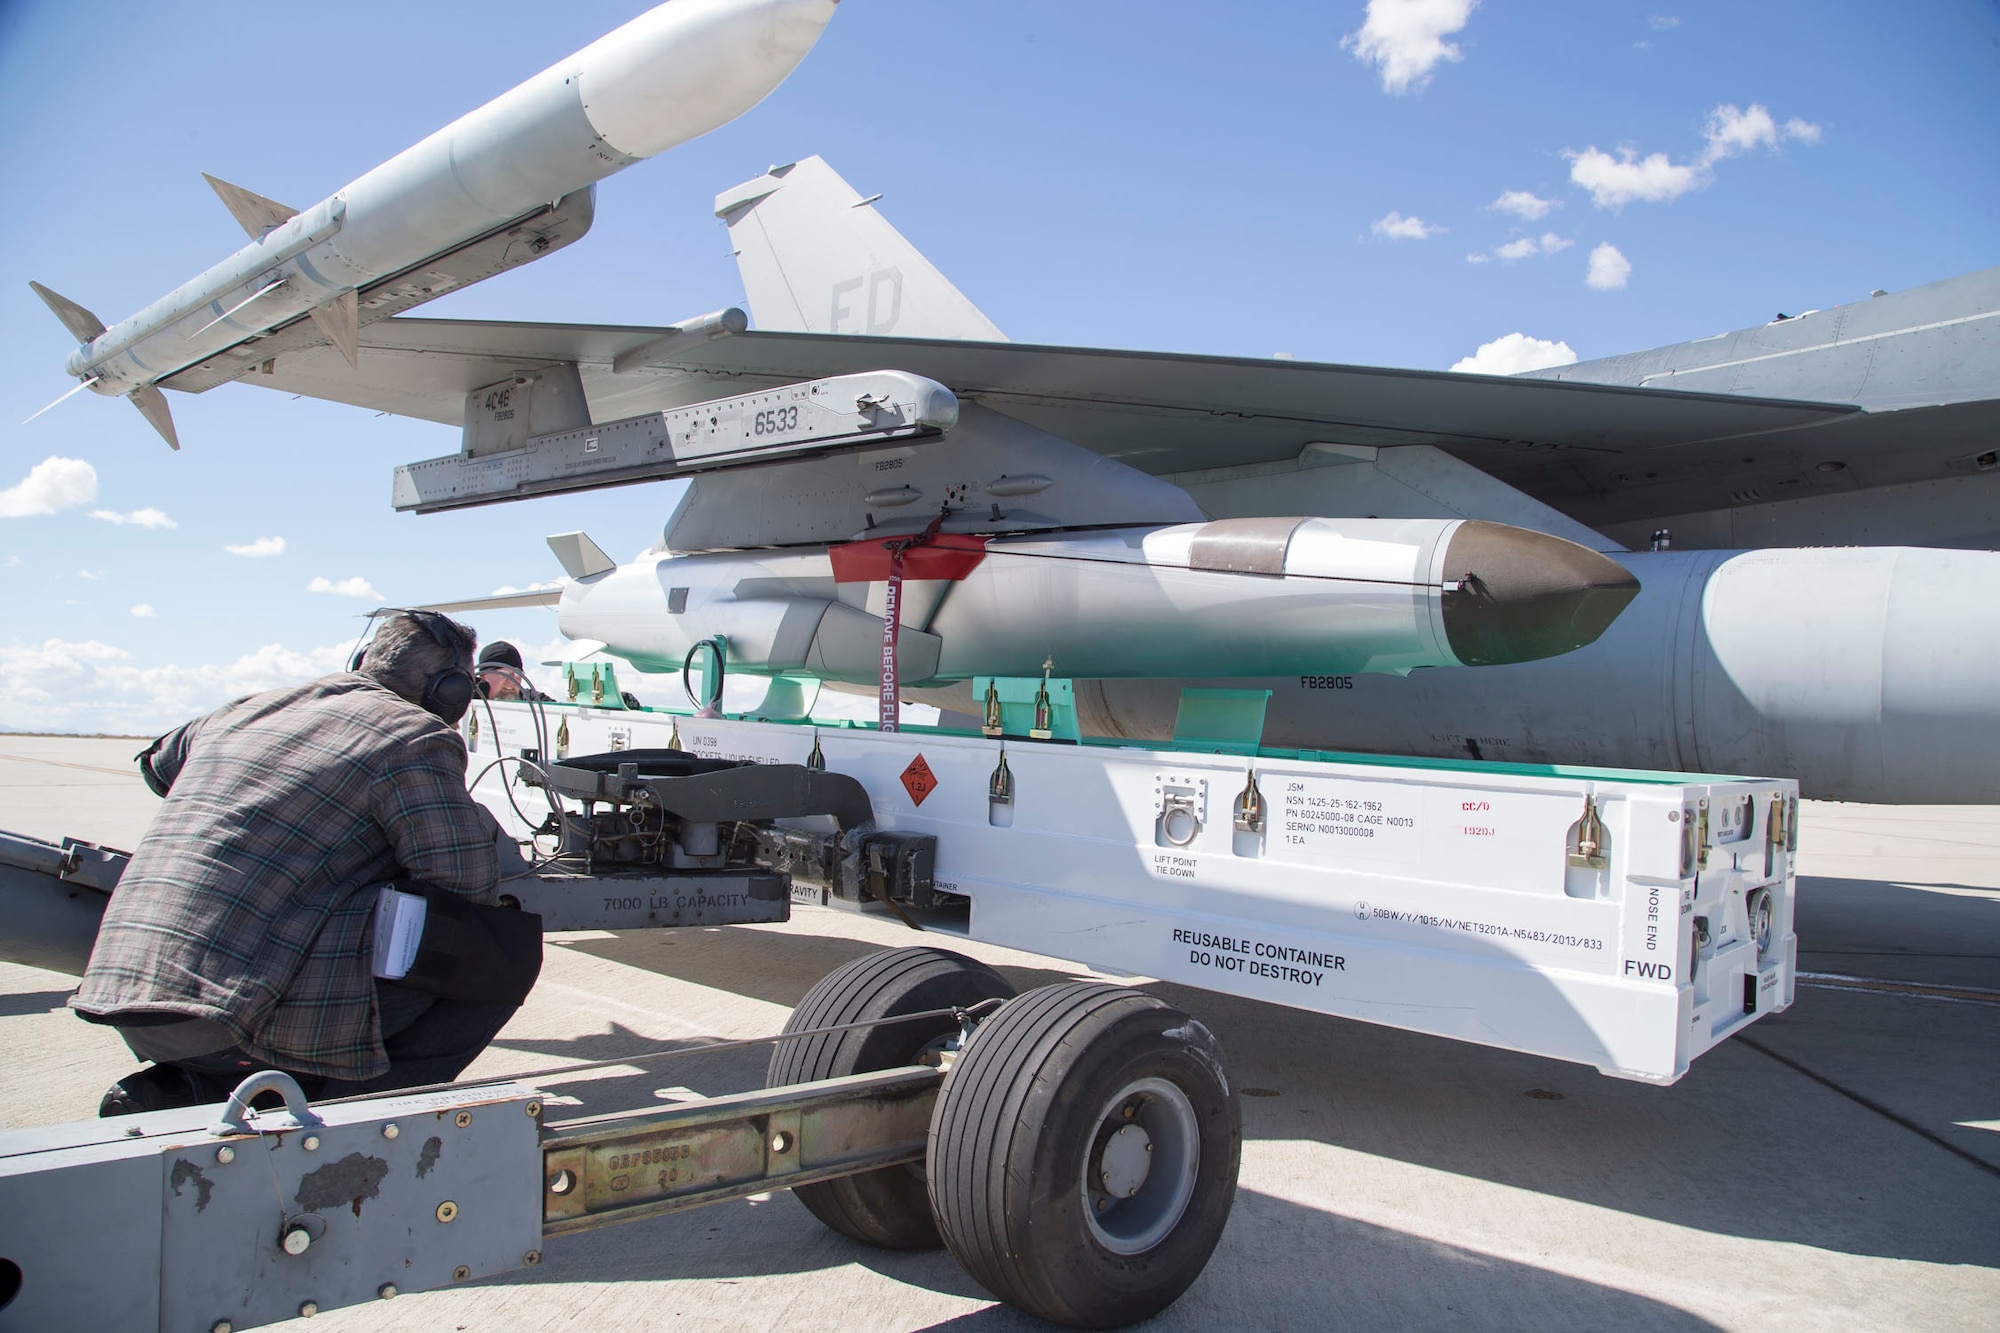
x: 818, y: 258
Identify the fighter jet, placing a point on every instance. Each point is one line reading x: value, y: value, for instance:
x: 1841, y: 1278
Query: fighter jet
x: 1137, y: 521
x: 1863, y: 433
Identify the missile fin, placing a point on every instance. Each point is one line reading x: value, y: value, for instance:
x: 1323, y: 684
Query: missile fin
x: 340, y: 320
x: 256, y: 213
x: 580, y: 556
x: 152, y: 405
x: 80, y: 322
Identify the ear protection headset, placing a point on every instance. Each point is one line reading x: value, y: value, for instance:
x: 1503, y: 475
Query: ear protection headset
x: 448, y: 693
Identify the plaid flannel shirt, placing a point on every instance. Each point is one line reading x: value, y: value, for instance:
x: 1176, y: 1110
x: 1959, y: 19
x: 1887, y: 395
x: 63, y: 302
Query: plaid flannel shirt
x: 251, y: 899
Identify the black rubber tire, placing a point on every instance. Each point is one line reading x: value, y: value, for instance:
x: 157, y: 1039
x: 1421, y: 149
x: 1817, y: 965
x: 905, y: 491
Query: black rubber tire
x: 1017, y: 1120
x: 889, y: 1207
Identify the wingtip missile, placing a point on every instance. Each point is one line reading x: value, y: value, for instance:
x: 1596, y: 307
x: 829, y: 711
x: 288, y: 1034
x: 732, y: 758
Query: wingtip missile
x: 676, y: 72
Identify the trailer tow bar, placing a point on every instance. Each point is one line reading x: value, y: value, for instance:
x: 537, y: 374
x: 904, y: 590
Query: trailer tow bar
x: 611, y: 1169
x: 226, y: 1218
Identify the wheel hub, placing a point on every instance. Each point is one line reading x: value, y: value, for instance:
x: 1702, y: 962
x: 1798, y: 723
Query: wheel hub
x: 1126, y: 1162
x: 1141, y: 1170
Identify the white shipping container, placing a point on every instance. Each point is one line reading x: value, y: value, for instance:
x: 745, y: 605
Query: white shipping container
x: 1440, y: 897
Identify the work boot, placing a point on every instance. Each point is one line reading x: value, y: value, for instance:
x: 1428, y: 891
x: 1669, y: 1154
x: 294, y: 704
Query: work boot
x: 155, y: 1088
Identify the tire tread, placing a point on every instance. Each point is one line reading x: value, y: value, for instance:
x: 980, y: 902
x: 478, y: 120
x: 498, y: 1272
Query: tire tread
x: 982, y: 1113
x: 868, y: 987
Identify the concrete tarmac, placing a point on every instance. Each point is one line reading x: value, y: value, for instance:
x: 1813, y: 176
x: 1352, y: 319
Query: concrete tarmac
x: 1838, y: 1165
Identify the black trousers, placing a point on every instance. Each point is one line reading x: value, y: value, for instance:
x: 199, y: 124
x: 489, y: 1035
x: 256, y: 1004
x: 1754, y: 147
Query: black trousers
x: 429, y: 1040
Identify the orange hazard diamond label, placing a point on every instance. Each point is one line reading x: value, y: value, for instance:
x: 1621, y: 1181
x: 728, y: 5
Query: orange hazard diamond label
x: 918, y: 780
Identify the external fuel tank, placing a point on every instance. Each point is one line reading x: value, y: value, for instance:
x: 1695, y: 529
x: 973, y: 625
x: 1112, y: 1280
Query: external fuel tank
x: 1865, y: 672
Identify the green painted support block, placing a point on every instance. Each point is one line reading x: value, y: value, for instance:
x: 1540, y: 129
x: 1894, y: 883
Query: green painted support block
x: 1222, y: 721
x: 1017, y: 705
x: 594, y: 684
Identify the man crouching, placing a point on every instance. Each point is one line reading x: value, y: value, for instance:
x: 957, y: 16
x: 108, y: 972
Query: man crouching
x: 240, y: 937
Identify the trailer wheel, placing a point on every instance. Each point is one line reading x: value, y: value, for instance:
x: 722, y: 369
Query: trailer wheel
x: 1083, y: 1154
x: 889, y: 1207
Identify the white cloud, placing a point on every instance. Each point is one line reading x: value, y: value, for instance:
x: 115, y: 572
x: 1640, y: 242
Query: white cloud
x: 508, y: 589
x: 1614, y: 182
x: 138, y: 518
x: 1655, y: 178
x: 1730, y: 131
x: 144, y: 612
x: 1609, y: 269
x: 261, y: 549
x: 1404, y: 39
x: 1524, y: 204
x: 52, y: 484
x: 1548, y: 243
x: 354, y: 587
x: 1393, y: 226
x: 1514, y: 353
x: 13, y: 562
x: 1662, y: 22
x: 1522, y: 247
x: 91, y: 686
x: 94, y: 575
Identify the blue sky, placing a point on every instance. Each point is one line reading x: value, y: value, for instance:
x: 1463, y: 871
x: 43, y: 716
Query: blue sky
x: 1224, y: 178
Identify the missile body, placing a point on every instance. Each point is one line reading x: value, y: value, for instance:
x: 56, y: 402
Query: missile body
x: 1241, y: 597
x: 1864, y: 672
x: 673, y: 73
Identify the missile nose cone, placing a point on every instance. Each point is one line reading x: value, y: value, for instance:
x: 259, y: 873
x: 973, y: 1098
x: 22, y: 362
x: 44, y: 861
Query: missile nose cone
x: 683, y: 68
x: 1524, y: 595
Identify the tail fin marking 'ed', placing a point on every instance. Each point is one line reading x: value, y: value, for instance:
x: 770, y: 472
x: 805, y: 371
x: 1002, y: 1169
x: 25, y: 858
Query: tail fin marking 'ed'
x: 818, y: 258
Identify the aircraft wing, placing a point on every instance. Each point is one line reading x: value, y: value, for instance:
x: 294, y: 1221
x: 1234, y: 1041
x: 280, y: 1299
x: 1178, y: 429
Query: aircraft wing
x: 1163, y: 413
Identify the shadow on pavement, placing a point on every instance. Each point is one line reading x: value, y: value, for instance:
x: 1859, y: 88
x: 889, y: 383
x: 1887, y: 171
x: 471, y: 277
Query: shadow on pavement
x: 777, y: 966
x: 692, y: 1066
x: 1741, y: 1146
x: 1366, y: 1276
x: 33, y: 1002
x: 1939, y: 934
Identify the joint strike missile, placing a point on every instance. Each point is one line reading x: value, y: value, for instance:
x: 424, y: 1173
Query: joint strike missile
x: 1231, y: 598
x: 670, y: 75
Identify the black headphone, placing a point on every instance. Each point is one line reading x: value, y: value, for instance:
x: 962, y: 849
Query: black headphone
x: 448, y: 693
